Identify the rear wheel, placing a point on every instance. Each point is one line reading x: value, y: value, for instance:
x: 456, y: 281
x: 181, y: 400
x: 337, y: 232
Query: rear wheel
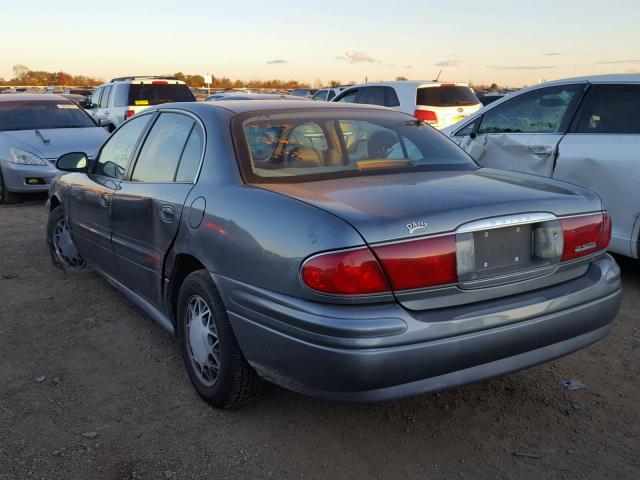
x: 62, y: 248
x: 7, y: 197
x: 215, y: 364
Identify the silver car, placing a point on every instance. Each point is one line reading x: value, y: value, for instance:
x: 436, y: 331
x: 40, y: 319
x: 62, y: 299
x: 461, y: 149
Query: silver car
x: 584, y: 130
x: 343, y: 251
x: 34, y: 131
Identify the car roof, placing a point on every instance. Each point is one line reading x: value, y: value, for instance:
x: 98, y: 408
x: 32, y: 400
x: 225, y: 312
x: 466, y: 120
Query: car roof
x: 408, y: 83
x: 30, y: 97
x: 613, y: 77
x: 242, y: 106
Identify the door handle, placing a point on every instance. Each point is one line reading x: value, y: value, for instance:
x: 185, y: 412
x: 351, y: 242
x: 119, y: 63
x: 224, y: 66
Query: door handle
x: 104, y: 200
x: 167, y: 213
x: 540, y: 150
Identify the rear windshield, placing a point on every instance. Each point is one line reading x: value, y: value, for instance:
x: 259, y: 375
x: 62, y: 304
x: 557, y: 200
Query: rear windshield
x: 446, y: 96
x: 155, y: 94
x: 42, y: 114
x: 315, y: 145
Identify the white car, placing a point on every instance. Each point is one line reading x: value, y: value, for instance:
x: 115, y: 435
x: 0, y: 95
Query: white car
x: 114, y: 102
x: 436, y: 103
x: 585, y: 131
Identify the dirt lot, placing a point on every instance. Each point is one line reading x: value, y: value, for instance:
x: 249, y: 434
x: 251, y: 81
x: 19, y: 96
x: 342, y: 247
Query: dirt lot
x: 116, y: 403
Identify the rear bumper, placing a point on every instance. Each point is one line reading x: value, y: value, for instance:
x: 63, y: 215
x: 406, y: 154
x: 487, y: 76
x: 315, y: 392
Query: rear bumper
x: 15, y: 176
x: 384, y: 352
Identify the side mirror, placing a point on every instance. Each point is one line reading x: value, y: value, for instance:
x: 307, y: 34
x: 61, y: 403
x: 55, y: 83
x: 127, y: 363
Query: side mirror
x: 73, y: 162
x: 86, y: 104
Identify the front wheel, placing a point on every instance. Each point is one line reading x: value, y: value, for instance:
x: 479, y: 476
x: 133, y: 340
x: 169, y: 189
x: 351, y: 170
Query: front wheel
x: 215, y: 364
x: 62, y: 248
x: 7, y: 197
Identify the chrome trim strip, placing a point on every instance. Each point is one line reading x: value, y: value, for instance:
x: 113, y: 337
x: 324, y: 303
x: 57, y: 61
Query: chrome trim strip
x: 505, y: 221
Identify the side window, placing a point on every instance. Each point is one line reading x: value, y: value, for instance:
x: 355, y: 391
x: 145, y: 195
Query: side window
x: 332, y: 94
x: 373, y: 96
x: 104, y: 101
x: 539, y: 111
x: 349, y: 97
x: 368, y: 141
x: 161, y: 152
x: 392, y: 98
x: 610, y: 109
x: 321, y: 95
x: 95, y: 98
x: 468, y: 129
x: 121, y: 95
x: 191, y: 156
x: 116, y: 153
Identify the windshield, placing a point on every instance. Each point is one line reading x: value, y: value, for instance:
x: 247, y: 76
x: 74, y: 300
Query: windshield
x: 155, y: 94
x: 41, y: 115
x: 315, y: 145
x: 446, y: 96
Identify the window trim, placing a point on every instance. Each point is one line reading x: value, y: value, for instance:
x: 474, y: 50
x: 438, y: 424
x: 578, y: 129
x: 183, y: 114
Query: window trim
x: 143, y: 138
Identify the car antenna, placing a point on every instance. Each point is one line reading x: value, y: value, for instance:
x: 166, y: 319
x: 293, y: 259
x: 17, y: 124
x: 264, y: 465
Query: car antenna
x: 439, y: 73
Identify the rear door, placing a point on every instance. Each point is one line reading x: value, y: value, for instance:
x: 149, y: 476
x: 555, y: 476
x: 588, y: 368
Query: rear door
x: 92, y: 195
x: 523, y: 133
x: 602, y: 152
x: 148, y: 205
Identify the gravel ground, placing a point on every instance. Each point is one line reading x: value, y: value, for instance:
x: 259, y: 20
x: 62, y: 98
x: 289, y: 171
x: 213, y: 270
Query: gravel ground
x: 91, y: 388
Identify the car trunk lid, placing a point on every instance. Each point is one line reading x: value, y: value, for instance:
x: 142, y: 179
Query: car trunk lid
x: 503, y: 216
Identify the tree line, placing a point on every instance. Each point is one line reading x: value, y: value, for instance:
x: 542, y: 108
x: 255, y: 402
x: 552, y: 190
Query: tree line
x: 23, y: 75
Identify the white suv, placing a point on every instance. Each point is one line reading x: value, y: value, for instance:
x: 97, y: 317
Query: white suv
x: 436, y: 103
x: 112, y: 103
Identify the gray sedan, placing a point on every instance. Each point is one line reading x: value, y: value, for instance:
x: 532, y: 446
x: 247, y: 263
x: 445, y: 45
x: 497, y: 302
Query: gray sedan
x: 337, y: 250
x: 34, y: 131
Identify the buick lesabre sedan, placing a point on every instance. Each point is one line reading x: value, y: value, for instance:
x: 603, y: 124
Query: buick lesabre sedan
x: 347, y: 252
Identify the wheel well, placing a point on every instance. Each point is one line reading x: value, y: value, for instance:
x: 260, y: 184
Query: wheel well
x: 183, y: 265
x: 53, y: 203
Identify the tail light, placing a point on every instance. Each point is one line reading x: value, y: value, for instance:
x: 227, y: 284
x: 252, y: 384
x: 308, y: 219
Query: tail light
x: 585, y: 235
x: 159, y: 82
x: 426, y: 116
x: 419, y: 263
x: 349, y: 272
x: 129, y: 113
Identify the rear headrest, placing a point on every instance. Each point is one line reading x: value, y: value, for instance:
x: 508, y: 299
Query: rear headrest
x: 302, y: 156
x: 380, y: 142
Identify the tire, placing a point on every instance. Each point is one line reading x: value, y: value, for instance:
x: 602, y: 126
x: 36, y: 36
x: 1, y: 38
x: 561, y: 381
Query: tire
x: 63, y: 251
x: 7, y: 197
x: 235, y: 382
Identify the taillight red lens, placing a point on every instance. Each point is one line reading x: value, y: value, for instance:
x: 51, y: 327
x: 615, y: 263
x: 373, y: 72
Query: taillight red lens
x: 585, y: 235
x: 426, y: 116
x: 159, y: 82
x: 129, y: 113
x: 350, y: 272
x: 419, y: 263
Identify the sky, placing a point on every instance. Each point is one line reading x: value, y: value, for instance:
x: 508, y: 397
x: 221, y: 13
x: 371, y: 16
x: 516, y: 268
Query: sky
x: 511, y: 43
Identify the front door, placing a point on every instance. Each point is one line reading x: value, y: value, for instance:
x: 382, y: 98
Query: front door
x: 523, y: 133
x: 90, y: 207
x: 147, y: 207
